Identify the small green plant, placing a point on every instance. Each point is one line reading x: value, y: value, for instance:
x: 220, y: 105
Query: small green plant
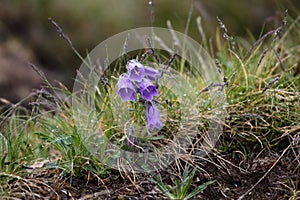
x: 15, y: 148
x: 181, y: 188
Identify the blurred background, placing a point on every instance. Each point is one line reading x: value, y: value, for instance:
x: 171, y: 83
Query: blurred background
x: 26, y: 36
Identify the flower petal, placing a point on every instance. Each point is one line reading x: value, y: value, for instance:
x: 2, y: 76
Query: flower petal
x: 152, y: 117
x: 147, y: 89
x: 126, y: 90
x: 135, y: 70
x: 152, y: 74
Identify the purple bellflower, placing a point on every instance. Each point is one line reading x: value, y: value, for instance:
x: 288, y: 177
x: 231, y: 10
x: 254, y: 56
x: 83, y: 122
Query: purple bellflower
x: 152, y: 116
x: 139, y: 79
x: 152, y: 74
x: 136, y: 70
x: 126, y: 89
x: 147, y: 89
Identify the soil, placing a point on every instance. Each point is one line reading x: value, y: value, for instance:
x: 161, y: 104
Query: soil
x: 261, y: 175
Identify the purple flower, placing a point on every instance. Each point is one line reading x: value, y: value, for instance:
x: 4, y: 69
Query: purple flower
x: 152, y: 117
x: 126, y: 90
x: 135, y: 70
x: 152, y: 74
x: 147, y: 89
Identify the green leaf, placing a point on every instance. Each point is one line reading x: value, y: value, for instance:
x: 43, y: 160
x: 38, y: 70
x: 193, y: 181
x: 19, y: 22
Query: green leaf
x: 199, y: 189
x: 159, y: 137
x: 164, y: 188
x: 189, y: 178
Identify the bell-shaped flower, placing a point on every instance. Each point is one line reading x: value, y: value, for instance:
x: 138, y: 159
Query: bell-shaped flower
x: 152, y: 117
x: 147, y: 89
x: 152, y: 74
x: 135, y: 70
x: 126, y: 90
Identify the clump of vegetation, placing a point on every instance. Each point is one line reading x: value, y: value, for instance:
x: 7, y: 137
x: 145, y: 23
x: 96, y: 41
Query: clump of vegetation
x: 43, y: 153
x: 179, y: 191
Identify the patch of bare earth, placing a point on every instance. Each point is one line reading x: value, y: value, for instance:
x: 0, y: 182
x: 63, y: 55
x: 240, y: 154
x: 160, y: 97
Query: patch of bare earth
x: 262, y: 175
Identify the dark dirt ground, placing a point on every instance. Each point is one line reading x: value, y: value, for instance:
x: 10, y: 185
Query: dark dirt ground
x: 272, y: 176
